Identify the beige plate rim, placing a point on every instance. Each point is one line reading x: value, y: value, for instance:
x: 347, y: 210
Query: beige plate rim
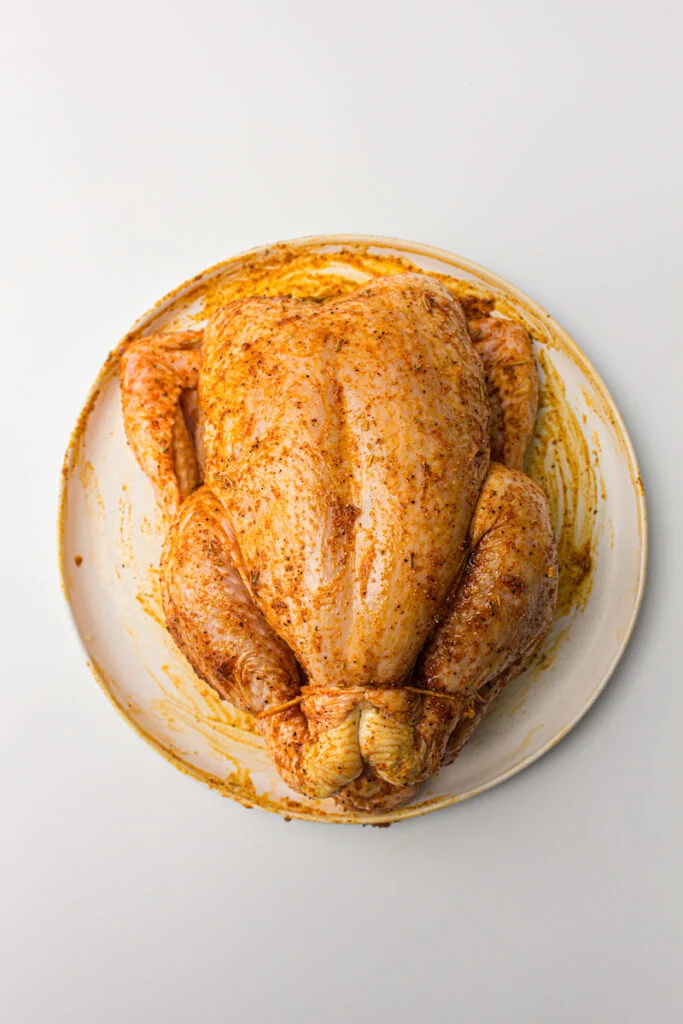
x: 407, y: 247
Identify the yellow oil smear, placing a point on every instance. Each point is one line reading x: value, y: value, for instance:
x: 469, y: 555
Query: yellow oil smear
x: 193, y: 702
x: 190, y: 696
x: 602, y: 410
x: 560, y: 462
x: 189, y: 701
x: 147, y: 527
x: 543, y: 658
x: 190, y: 704
x: 301, y: 272
x: 91, y: 488
x: 527, y: 739
x: 124, y: 544
x: 151, y: 605
x: 237, y: 784
x: 298, y: 272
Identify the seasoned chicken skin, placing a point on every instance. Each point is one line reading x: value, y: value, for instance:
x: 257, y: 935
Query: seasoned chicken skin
x: 352, y: 570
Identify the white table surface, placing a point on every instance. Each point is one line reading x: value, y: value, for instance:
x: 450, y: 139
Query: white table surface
x: 145, y: 141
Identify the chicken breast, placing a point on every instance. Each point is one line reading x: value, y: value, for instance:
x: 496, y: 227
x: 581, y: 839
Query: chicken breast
x: 348, y: 445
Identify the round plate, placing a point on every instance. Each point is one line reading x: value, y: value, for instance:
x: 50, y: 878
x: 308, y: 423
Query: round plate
x: 111, y: 536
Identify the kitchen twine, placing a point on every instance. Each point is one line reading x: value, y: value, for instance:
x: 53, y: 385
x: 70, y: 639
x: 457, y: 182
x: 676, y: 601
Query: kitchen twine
x: 468, y: 713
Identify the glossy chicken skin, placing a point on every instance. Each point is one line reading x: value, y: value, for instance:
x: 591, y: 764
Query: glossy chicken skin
x: 348, y: 445
x: 316, y: 577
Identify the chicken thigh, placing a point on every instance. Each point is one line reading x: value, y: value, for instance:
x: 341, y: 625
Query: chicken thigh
x: 352, y: 569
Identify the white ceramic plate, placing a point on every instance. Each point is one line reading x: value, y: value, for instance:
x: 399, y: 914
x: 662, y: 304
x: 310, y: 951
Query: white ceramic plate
x: 111, y: 538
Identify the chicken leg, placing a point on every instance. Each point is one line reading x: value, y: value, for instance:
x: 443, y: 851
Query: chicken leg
x: 499, y: 611
x: 212, y: 617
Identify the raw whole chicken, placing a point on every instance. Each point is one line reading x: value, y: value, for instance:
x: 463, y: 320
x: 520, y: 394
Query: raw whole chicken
x: 354, y: 554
